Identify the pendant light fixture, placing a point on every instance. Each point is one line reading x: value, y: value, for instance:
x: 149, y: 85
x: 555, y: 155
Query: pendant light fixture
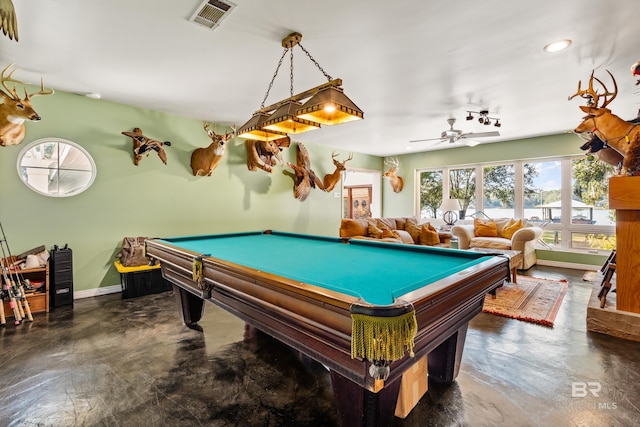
x: 327, y: 104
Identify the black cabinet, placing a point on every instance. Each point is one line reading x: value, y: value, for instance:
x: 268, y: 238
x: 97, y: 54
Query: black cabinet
x: 60, y: 277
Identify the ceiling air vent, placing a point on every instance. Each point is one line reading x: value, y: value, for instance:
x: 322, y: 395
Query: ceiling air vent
x: 211, y: 12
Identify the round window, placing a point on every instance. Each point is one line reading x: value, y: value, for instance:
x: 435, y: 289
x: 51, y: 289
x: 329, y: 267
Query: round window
x: 56, y: 167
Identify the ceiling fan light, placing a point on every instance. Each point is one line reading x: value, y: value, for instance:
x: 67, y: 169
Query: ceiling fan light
x: 487, y: 122
x: 284, y: 120
x: 330, y: 106
x: 253, y: 129
x: 481, y: 120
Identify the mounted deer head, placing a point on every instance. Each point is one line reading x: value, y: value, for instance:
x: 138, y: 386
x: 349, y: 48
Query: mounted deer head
x: 614, y: 132
x: 14, y: 111
x: 205, y: 160
x: 332, y: 179
x: 396, y: 182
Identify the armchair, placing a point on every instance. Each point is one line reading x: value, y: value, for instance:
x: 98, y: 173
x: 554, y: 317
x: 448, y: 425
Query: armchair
x: 522, y: 240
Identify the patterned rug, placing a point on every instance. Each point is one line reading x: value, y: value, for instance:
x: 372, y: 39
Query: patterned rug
x: 532, y: 299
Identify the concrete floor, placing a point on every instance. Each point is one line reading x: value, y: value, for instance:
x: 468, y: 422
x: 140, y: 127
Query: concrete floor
x: 114, y: 362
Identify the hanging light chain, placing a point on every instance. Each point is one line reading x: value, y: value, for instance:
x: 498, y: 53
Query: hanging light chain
x: 329, y: 78
x: 291, y: 71
x: 266, y: 95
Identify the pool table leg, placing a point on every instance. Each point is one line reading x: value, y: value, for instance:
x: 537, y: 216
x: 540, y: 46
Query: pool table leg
x: 444, y: 360
x: 360, y: 407
x: 191, y: 307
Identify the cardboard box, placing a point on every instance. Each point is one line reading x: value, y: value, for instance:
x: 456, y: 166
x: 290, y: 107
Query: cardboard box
x: 415, y: 382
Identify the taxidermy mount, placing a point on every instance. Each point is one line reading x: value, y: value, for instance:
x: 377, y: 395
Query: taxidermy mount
x: 143, y: 144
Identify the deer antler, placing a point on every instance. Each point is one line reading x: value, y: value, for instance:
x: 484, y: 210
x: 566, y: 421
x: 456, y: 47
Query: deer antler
x: 587, y: 93
x: 41, y: 92
x: 593, y: 95
x: 606, y: 91
x: 210, y: 132
x: 4, y: 78
x: 393, y: 163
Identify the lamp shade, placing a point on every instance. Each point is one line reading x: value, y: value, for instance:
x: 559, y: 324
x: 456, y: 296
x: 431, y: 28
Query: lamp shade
x: 450, y: 205
x: 284, y: 120
x: 253, y: 129
x: 330, y: 106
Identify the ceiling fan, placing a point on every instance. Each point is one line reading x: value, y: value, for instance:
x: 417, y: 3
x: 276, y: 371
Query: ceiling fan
x: 453, y: 135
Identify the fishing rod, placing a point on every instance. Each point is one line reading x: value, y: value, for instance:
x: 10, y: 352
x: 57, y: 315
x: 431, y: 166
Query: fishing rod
x: 15, y: 288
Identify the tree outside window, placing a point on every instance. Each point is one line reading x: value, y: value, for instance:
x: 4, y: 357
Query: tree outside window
x: 430, y: 193
x: 462, y: 186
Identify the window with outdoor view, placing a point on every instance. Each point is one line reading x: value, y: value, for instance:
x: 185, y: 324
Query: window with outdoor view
x: 590, y: 204
x: 499, y: 191
x: 430, y: 193
x: 542, y: 201
x: 462, y: 186
x: 567, y: 197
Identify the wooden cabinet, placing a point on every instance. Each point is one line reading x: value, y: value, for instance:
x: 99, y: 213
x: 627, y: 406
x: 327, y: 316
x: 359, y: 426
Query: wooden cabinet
x: 38, y: 299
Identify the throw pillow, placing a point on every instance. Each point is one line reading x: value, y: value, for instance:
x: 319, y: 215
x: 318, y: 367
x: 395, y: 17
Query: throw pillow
x: 405, y: 236
x: 485, y: 228
x: 429, y: 235
x: 511, y: 227
x: 386, y: 233
x: 353, y: 227
x: 373, y: 231
x: 413, y: 229
x: 389, y: 223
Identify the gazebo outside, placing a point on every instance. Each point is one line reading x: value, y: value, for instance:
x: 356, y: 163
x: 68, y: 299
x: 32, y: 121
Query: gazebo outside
x: 576, y: 206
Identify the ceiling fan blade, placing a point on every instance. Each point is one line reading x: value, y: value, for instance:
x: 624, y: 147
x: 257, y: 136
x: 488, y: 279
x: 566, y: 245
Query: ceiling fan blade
x: 480, y: 134
x: 471, y: 142
x: 428, y: 139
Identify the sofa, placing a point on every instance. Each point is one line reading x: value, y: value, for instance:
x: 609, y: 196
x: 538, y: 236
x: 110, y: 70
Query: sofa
x: 502, y: 233
x: 408, y: 230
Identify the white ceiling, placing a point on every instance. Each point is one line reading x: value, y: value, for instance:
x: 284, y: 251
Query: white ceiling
x: 409, y: 65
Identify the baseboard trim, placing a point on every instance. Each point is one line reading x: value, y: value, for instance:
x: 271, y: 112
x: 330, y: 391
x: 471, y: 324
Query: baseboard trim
x: 571, y: 265
x: 88, y: 293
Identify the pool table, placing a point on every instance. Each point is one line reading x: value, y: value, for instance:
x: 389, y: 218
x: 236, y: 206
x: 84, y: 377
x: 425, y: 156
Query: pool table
x: 339, y: 301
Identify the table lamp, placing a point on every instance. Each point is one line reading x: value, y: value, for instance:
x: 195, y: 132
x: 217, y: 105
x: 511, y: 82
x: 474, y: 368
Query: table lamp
x: 450, y: 209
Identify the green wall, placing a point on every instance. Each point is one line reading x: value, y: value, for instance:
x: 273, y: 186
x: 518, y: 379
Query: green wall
x: 404, y: 203
x: 152, y: 199
x: 157, y: 200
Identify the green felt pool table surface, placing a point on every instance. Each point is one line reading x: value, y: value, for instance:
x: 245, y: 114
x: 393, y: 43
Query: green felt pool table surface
x: 378, y: 273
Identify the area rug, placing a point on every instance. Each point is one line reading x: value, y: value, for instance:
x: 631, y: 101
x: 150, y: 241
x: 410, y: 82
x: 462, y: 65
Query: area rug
x: 590, y: 276
x: 532, y: 299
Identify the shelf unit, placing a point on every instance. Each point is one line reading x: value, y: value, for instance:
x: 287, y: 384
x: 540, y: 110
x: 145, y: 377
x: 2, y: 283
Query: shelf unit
x: 39, y: 299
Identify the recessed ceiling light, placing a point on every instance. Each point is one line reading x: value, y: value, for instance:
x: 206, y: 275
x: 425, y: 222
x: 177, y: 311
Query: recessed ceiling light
x: 557, y: 45
x: 93, y: 95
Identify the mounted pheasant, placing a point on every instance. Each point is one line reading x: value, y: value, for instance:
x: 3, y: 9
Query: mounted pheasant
x: 8, y: 19
x: 305, y: 178
x: 143, y: 144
